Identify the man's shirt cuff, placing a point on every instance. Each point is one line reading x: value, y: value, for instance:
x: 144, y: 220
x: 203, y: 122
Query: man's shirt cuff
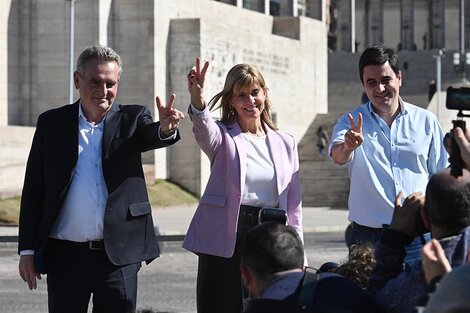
x: 162, y: 136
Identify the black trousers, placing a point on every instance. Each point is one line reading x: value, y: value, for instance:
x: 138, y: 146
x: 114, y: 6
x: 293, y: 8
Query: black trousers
x: 75, y: 273
x: 219, y: 283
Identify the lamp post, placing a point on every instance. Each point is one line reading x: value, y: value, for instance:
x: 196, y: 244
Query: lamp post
x: 71, y: 47
x: 461, y: 58
x: 438, y: 57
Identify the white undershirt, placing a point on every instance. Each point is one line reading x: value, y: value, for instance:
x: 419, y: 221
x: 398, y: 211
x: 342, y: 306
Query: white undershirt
x: 82, y: 215
x: 260, y: 183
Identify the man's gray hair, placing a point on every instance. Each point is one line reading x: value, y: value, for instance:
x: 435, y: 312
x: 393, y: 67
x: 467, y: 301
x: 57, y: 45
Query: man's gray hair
x: 100, y: 53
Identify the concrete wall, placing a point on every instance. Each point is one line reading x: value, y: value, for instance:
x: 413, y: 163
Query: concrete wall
x: 295, y: 73
x: 15, y: 142
x: 158, y: 42
x: 4, y: 63
x: 345, y: 89
x: 391, y: 23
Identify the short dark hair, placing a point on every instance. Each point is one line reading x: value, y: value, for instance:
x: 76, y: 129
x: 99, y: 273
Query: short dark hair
x: 447, y: 202
x: 100, y: 53
x: 271, y: 248
x: 378, y: 55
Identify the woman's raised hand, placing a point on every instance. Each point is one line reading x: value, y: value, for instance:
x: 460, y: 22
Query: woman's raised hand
x: 196, y: 78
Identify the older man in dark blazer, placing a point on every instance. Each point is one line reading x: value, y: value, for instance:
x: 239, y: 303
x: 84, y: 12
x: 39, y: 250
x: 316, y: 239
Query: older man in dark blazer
x: 85, y: 217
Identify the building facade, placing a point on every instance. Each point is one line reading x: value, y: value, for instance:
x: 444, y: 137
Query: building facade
x: 401, y: 24
x: 288, y: 40
x: 158, y: 41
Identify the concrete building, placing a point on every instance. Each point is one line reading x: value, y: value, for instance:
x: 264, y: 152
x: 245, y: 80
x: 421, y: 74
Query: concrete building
x: 400, y: 24
x: 288, y: 40
x: 158, y: 41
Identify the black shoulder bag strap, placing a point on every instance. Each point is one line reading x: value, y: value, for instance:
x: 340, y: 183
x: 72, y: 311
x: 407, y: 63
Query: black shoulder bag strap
x: 307, y: 294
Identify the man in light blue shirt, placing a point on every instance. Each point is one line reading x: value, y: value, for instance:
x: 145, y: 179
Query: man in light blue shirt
x: 390, y: 146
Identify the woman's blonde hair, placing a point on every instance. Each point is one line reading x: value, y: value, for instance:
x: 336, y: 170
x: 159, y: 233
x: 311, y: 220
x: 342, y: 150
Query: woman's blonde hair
x: 240, y: 77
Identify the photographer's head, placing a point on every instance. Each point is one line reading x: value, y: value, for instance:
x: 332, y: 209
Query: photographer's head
x: 447, y: 204
x: 270, y: 249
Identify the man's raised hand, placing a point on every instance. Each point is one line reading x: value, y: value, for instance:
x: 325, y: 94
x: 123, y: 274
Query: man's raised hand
x: 169, y: 117
x: 353, y: 137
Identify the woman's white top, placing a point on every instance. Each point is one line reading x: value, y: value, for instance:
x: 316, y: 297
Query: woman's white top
x: 260, y: 183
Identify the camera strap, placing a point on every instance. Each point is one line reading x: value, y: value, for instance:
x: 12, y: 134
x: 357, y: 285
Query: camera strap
x: 307, y: 294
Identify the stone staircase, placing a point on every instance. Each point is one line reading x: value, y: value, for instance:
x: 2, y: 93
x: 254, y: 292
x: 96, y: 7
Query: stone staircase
x: 323, y: 183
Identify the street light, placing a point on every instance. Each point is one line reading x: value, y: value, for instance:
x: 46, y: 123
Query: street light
x: 71, y: 47
x: 438, y: 57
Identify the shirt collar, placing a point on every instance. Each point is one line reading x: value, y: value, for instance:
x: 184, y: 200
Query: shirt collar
x: 82, y: 117
x: 80, y: 111
x: 402, y: 105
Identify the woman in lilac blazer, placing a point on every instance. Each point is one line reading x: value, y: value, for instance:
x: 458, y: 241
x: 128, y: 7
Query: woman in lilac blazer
x: 253, y: 165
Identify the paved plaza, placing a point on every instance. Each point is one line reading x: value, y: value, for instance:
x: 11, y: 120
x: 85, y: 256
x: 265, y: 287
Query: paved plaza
x: 168, y: 283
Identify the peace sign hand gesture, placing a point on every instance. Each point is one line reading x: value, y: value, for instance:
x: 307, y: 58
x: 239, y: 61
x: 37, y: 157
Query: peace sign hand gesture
x: 169, y: 117
x: 353, y: 137
x: 196, y: 77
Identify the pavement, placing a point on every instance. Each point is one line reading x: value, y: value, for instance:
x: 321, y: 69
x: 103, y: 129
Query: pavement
x: 169, y: 283
x: 174, y: 221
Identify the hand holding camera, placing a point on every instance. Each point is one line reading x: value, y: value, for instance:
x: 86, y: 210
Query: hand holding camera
x: 462, y: 138
x: 455, y: 156
x: 456, y: 143
x: 407, y: 217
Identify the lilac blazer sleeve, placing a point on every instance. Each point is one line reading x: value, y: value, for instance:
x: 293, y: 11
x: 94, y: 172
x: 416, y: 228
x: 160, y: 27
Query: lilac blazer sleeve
x: 214, y: 224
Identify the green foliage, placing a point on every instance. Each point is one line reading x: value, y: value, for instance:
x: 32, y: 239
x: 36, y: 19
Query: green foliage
x: 9, y: 211
x: 161, y: 194
x: 166, y: 194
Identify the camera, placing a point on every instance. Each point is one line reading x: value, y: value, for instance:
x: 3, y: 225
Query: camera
x: 267, y: 214
x: 457, y: 99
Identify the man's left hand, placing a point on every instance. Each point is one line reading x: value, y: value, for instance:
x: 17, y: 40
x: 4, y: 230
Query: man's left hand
x: 169, y: 116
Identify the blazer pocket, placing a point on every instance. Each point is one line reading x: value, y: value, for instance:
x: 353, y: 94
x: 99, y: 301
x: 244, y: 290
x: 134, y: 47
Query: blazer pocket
x: 139, y: 209
x: 213, y: 200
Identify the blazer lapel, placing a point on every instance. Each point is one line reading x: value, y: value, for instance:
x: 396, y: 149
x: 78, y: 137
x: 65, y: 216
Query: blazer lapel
x: 69, y: 133
x: 66, y: 154
x: 236, y: 133
x: 111, y: 125
x: 277, y: 147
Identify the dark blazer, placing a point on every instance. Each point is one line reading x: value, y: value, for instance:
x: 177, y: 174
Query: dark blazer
x: 129, y: 130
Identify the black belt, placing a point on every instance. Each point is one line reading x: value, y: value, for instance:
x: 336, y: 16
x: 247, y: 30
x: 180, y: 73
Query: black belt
x: 249, y: 214
x: 91, y: 245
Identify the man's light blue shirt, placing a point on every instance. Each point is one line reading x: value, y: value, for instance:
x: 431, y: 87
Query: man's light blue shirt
x: 82, y: 215
x: 390, y: 160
